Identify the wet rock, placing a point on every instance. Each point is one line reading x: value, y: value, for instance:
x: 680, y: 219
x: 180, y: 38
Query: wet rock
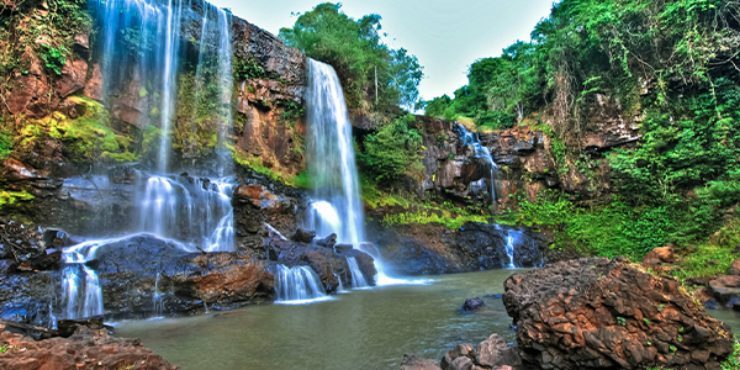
x: 86, y: 349
x: 328, y: 241
x: 460, y: 351
x: 72, y: 79
x: 711, y: 304
x: 67, y: 328
x: 472, y: 305
x: 724, y: 287
x: 303, y: 236
x: 414, y: 362
x: 495, y: 352
x: 94, y: 85
x: 636, y: 320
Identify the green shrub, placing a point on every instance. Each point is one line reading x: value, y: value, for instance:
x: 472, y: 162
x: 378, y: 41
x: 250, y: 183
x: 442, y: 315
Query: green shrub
x: 392, y: 151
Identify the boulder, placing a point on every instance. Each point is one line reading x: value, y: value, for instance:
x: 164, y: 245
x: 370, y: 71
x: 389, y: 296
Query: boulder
x: 460, y: 351
x: 473, y: 304
x: 494, y: 352
x: 303, y: 236
x: 665, y: 254
x: 328, y: 241
x: 413, y: 362
x: 86, y: 349
x: 594, y: 313
x: 724, y: 287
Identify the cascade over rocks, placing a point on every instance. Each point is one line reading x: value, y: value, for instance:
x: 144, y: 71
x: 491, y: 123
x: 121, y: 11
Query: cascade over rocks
x: 594, y: 313
x: 86, y: 349
x: 330, y: 264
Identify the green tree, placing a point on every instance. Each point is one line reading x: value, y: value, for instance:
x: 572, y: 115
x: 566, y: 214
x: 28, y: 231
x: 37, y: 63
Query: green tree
x: 355, y: 50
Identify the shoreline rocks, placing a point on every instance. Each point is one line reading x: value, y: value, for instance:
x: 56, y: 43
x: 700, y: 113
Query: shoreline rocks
x: 594, y: 313
x: 86, y: 349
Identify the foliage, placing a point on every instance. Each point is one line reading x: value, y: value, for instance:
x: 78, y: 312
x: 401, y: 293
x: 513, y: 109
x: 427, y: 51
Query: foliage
x: 450, y: 221
x: 392, y: 151
x: 354, y: 49
x: 12, y: 197
x: 6, y: 144
x: 54, y: 58
x: 254, y: 162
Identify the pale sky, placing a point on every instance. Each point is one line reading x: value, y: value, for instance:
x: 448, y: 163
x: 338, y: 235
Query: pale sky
x: 447, y: 36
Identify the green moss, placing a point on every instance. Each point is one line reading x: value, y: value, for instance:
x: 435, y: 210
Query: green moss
x: 447, y: 219
x: 12, y: 197
x: 121, y: 157
x: 151, y: 137
x: 254, y: 162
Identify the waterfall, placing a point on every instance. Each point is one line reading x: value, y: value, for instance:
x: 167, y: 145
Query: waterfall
x: 197, y: 211
x: 331, y: 158
x: 157, y: 301
x: 358, y: 279
x: 298, y: 285
x: 510, y: 251
x: 470, y: 138
x: 80, y: 283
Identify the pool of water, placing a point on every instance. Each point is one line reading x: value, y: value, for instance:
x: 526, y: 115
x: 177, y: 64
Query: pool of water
x: 367, y: 329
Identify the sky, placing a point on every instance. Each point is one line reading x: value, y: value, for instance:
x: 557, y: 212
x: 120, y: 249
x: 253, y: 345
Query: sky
x: 446, y: 35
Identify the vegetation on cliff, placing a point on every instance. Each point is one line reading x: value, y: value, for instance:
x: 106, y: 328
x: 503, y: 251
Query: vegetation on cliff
x: 674, y: 66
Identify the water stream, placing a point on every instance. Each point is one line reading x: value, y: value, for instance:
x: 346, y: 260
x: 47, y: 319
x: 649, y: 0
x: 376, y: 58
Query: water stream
x: 358, y: 280
x: 298, y: 285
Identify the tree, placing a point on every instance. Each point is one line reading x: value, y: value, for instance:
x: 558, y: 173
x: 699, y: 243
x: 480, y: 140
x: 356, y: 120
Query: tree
x: 354, y: 49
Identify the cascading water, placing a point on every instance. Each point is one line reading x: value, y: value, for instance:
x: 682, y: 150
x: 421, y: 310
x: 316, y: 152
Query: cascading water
x: 83, y: 296
x: 298, y: 285
x: 470, y: 138
x: 358, y: 279
x: 510, y: 251
x: 331, y: 158
x: 196, y: 211
x: 142, y: 44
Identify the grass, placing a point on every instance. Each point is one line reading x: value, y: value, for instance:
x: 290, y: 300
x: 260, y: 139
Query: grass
x: 449, y: 220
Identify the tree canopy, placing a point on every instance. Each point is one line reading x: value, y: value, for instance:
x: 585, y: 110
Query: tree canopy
x: 355, y: 49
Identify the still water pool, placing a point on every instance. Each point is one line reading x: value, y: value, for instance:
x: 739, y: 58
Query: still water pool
x: 367, y: 329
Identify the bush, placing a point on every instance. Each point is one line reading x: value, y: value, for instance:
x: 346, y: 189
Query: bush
x: 495, y: 120
x: 392, y: 151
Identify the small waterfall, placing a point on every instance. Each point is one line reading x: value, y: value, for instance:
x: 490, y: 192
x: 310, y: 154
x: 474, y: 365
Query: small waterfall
x: 358, y: 279
x: 340, y: 289
x: 157, y: 298
x: 193, y: 210
x: 470, y: 138
x: 323, y: 218
x: 298, y: 285
x: 80, y: 283
x: 510, y: 251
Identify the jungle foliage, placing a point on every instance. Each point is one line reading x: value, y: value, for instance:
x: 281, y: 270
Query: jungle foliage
x: 394, y: 150
x: 355, y: 49
x: 676, y: 65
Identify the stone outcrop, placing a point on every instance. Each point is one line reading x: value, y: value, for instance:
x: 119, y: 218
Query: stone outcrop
x: 724, y: 288
x: 132, y: 271
x: 493, y: 353
x: 87, y: 349
x: 434, y: 249
x: 598, y: 314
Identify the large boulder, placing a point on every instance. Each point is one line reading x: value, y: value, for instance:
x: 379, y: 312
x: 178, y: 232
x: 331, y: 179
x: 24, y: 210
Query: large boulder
x: 87, y: 349
x: 724, y: 287
x: 594, y: 313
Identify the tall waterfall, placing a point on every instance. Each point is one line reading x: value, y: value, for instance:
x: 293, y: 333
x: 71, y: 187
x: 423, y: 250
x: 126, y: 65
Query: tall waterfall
x: 331, y: 158
x: 142, y: 44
